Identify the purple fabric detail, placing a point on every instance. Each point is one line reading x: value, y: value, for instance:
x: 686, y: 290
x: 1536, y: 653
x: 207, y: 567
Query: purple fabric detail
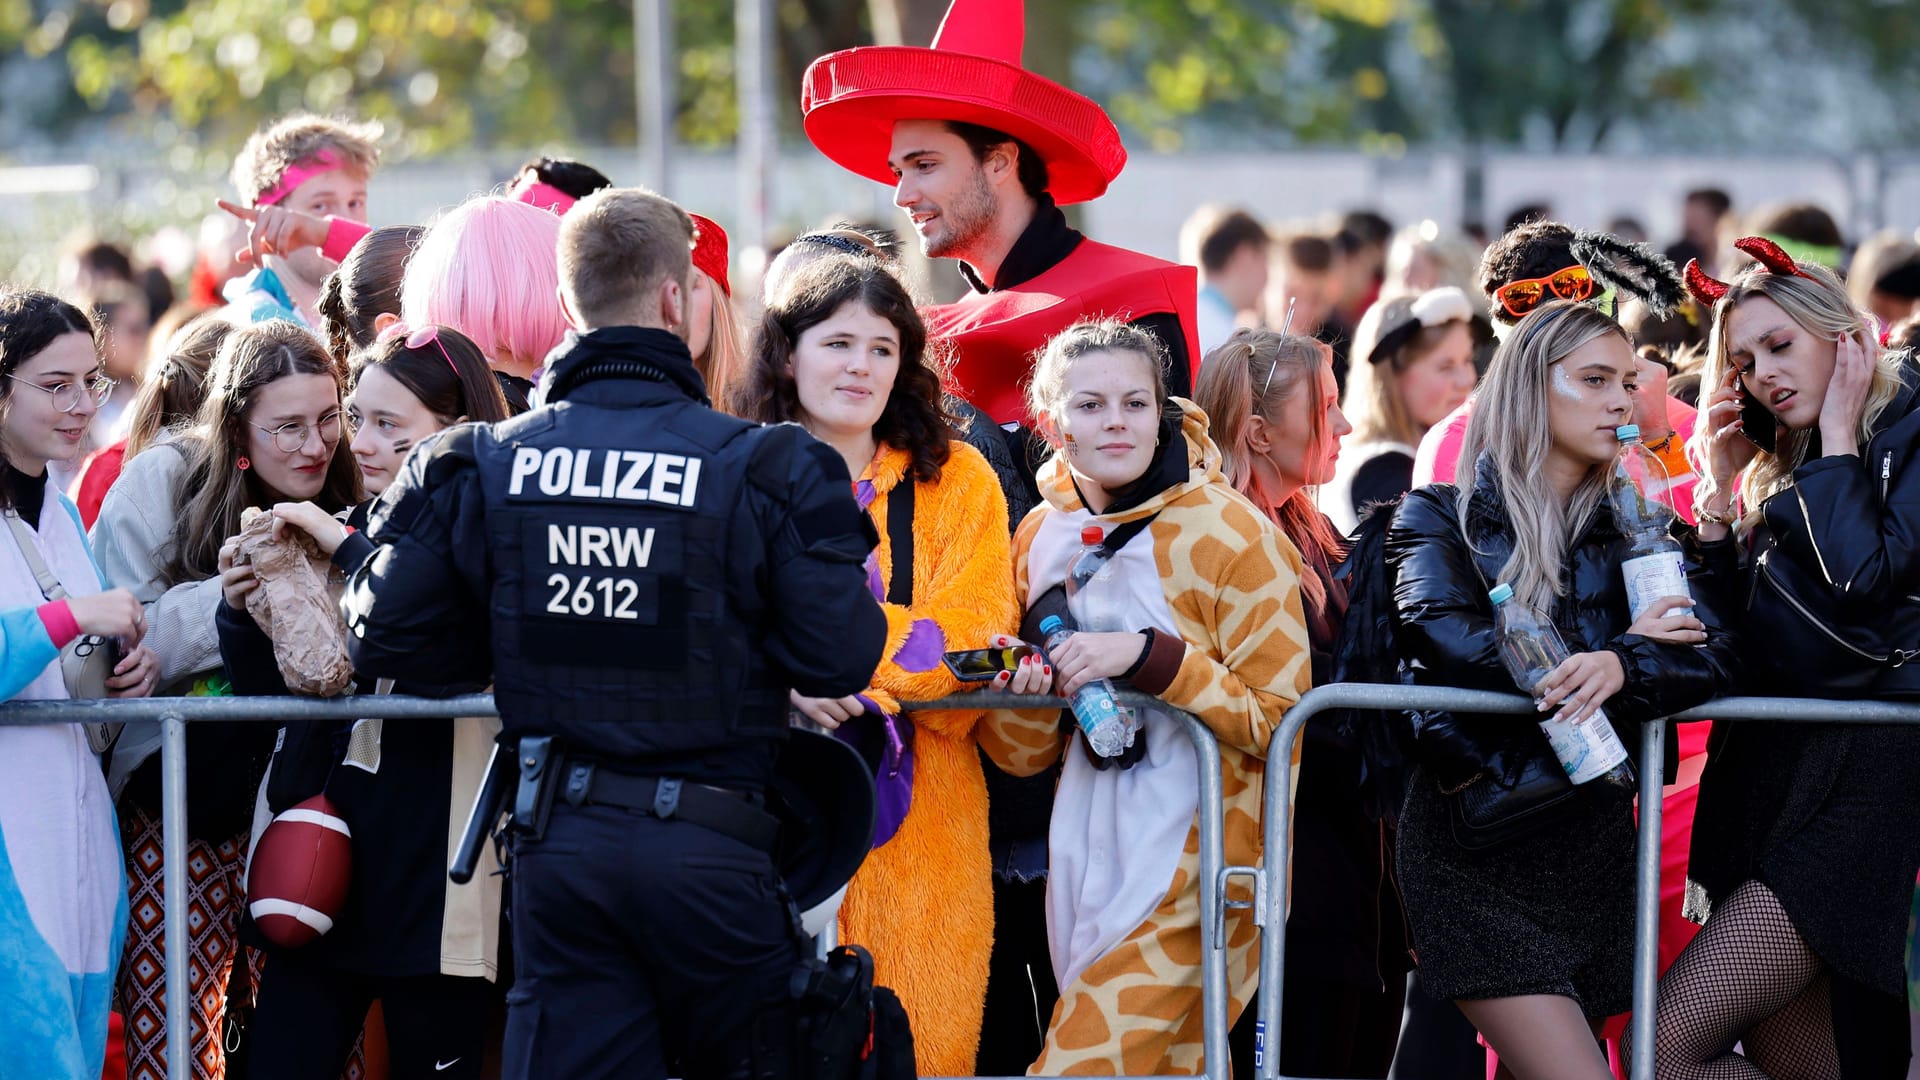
x: 923, y: 648
x: 877, y: 736
x: 864, y: 494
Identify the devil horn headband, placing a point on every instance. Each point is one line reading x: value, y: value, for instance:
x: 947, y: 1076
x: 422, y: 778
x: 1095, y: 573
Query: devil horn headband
x: 1707, y: 290
x: 1768, y: 254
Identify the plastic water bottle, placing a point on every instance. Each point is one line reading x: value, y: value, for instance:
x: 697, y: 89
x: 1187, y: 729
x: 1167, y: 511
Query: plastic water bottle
x: 1654, y: 567
x: 1098, y: 600
x: 1532, y: 647
x: 1090, y: 585
x: 1094, y: 705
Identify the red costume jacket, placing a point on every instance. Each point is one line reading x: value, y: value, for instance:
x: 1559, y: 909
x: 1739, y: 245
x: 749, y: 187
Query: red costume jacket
x: 1055, y: 277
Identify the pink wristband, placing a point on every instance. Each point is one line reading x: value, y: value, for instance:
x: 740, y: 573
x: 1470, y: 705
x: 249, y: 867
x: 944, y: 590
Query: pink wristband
x: 58, y: 618
x: 342, y: 234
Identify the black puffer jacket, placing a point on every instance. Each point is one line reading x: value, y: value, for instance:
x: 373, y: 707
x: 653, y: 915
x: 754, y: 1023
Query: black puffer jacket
x: 1446, y: 629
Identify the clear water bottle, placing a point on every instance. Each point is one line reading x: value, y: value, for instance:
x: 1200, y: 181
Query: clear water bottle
x: 1094, y: 705
x: 1098, y: 600
x: 1091, y: 590
x: 1532, y: 647
x: 1654, y: 567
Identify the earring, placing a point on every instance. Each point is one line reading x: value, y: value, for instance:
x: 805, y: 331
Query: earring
x: 244, y: 463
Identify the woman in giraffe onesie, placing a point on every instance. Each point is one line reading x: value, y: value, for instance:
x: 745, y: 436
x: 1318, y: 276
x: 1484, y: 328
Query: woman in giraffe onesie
x: 1203, y: 612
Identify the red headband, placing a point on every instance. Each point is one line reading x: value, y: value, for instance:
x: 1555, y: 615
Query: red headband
x: 1709, y: 290
x: 710, y: 252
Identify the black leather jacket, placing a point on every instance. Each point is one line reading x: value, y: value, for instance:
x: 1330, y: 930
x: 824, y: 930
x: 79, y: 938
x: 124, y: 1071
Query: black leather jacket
x: 1831, y: 579
x: 1446, y: 631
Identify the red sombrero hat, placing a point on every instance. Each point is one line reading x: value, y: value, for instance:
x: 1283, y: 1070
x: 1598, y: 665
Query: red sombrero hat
x: 972, y: 74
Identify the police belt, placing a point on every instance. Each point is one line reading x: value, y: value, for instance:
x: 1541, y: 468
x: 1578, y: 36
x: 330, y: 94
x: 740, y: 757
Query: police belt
x: 729, y: 813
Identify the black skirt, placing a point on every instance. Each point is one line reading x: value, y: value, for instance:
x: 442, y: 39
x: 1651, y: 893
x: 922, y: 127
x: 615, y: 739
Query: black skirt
x: 1548, y: 913
x: 1825, y: 817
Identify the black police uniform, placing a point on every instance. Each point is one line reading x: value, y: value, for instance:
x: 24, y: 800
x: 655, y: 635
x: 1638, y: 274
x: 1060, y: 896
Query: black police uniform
x: 642, y: 579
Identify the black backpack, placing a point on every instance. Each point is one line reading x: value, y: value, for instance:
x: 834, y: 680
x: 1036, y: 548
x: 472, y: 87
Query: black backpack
x: 1368, y: 651
x: 848, y: 1029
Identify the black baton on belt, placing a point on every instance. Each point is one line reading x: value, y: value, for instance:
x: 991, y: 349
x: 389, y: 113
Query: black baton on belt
x: 486, y: 810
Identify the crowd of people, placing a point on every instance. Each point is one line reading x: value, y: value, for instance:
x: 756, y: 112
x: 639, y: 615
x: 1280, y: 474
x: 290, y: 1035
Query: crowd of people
x: 1307, y: 457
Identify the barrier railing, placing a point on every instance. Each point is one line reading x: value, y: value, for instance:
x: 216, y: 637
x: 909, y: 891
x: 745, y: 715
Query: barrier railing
x: 1647, y: 874
x: 1270, y: 889
x: 173, y: 715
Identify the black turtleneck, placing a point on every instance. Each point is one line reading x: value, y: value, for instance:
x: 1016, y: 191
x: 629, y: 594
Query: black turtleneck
x: 1047, y: 241
x: 26, y: 494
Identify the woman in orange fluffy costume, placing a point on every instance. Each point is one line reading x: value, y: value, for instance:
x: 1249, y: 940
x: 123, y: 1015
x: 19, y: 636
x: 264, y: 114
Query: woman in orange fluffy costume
x: 842, y: 351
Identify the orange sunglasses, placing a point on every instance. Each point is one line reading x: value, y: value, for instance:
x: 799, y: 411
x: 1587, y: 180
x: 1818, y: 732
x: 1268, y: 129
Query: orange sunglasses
x: 1520, y: 297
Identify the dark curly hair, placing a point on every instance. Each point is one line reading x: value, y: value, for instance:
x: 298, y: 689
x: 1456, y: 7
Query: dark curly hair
x: 914, y: 419
x: 1533, y: 250
x: 366, y: 285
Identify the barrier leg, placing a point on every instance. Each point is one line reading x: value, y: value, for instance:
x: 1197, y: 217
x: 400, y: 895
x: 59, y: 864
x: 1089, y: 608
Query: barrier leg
x: 1213, y: 857
x: 173, y: 847
x: 1279, y: 862
x: 1646, y: 938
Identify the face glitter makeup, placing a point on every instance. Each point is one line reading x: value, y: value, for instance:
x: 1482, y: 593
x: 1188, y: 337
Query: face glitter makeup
x: 1563, y: 383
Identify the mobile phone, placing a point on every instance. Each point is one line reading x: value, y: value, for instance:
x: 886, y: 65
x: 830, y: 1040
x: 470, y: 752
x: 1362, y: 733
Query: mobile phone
x: 980, y: 665
x: 1756, y: 422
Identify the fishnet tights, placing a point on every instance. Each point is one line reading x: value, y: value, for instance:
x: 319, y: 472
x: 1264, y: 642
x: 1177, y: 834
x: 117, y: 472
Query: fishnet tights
x: 1747, y: 978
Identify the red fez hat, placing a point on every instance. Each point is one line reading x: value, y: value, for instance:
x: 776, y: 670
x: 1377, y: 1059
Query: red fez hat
x: 710, y: 251
x: 972, y: 74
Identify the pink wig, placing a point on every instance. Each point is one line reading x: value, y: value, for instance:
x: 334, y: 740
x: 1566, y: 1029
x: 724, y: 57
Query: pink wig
x: 489, y: 270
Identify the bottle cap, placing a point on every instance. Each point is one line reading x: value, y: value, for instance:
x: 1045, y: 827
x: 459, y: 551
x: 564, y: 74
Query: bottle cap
x: 1501, y: 593
x: 1626, y: 431
x: 1051, y: 623
x: 1092, y: 535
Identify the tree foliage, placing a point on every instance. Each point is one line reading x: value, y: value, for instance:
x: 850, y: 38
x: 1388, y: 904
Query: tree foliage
x: 1175, y: 73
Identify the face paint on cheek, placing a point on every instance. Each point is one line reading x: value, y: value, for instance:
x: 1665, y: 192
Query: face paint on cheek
x: 1563, y: 383
x: 402, y: 446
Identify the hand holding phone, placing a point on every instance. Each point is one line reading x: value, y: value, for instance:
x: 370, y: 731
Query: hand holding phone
x: 982, y: 665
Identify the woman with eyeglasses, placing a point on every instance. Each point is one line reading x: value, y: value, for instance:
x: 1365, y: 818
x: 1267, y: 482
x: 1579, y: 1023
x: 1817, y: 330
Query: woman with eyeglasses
x: 1411, y: 365
x: 61, y: 899
x: 427, y: 951
x: 270, y: 431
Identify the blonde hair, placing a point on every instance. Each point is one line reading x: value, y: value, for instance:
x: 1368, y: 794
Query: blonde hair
x: 1374, y: 403
x: 616, y: 247
x: 1258, y: 372
x: 270, y: 152
x: 1510, y: 426
x: 724, y: 362
x: 1047, y: 387
x: 1819, y: 304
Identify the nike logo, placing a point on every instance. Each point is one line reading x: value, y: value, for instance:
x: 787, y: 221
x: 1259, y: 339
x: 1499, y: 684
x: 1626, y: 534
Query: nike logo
x: 439, y: 1066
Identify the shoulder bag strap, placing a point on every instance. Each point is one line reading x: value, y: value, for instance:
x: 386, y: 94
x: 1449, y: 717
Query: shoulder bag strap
x: 900, y: 541
x: 50, y: 586
x: 1118, y: 536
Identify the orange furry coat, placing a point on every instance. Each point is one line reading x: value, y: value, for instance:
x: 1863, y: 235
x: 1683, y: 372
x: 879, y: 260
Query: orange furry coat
x: 923, y: 902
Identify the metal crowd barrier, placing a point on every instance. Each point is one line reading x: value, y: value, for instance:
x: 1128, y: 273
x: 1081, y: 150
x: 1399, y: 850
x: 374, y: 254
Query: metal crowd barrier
x: 1270, y: 889
x: 1646, y: 940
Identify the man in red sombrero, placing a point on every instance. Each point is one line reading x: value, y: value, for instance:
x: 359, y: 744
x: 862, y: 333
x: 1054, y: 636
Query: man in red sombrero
x: 982, y: 154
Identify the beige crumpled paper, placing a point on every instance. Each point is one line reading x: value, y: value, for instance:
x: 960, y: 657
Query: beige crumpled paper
x: 294, y: 605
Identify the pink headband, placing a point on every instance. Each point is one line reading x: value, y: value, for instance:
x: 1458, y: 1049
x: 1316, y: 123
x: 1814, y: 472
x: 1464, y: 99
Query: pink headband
x: 296, y: 174
x: 533, y: 191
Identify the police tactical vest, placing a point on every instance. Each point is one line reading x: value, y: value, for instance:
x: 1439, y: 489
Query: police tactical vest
x: 625, y: 616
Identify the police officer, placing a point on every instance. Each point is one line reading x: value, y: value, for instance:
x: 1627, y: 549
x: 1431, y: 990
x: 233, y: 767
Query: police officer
x: 641, y: 579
